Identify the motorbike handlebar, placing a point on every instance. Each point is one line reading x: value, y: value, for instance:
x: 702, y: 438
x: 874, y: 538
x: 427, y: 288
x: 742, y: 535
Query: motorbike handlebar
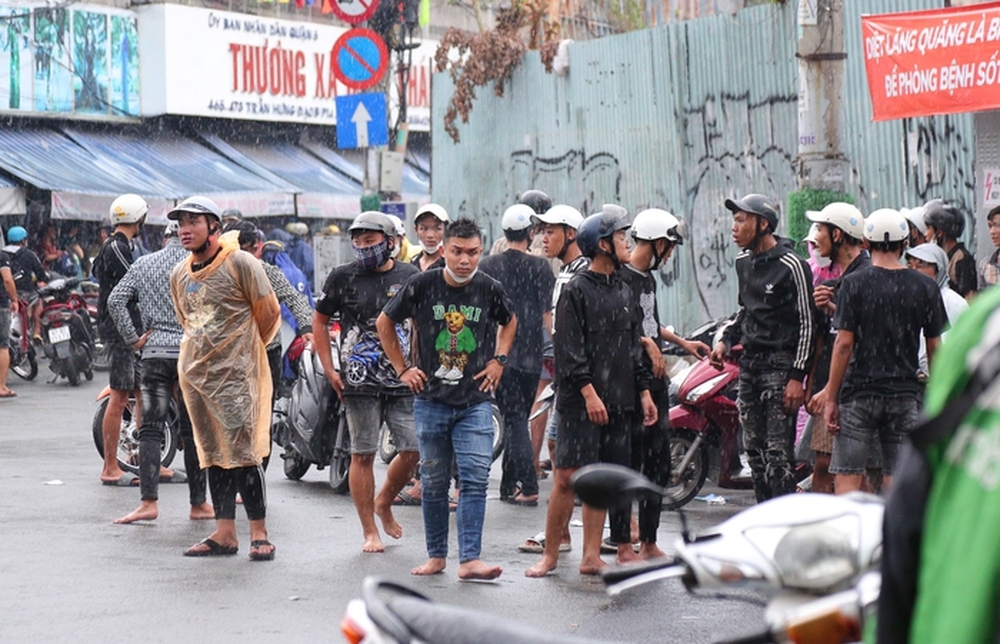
x: 619, y: 574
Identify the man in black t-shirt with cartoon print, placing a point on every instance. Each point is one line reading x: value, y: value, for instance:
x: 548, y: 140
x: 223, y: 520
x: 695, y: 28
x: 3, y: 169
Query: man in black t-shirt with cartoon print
x: 465, y: 326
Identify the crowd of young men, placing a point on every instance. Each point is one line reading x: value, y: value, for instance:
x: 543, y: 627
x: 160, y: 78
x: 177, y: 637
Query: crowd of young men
x: 426, y: 346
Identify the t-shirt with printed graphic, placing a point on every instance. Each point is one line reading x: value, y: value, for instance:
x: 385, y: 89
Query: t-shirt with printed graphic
x: 643, y: 287
x: 359, y: 296
x: 456, y: 331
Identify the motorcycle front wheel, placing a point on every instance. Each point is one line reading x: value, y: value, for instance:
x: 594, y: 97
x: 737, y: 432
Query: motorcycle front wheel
x: 340, y: 462
x: 128, y: 438
x: 685, y: 485
x: 295, y: 466
x: 23, y: 363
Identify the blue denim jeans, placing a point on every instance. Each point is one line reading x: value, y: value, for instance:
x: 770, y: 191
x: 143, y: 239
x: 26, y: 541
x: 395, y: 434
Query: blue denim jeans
x: 465, y: 435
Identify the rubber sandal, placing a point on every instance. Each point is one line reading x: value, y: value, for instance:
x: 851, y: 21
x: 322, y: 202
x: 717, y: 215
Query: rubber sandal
x: 536, y: 544
x: 215, y: 549
x: 405, y: 498
x: 261, y: 556
x: 125, y: 480
x: 524, y: 501
x: 179, y: 476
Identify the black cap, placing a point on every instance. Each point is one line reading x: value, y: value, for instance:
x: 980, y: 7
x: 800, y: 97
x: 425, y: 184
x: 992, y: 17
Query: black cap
x: 756, y: 204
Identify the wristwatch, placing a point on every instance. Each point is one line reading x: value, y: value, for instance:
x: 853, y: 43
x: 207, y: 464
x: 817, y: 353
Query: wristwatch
x: 501, y: 358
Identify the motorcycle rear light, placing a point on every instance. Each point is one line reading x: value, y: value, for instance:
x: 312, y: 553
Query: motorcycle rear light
x: 351, y: 631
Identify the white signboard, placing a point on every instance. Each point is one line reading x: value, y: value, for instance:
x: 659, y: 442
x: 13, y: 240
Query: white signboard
x: 203, y: 62
x: 418, y: 89
x: 991, y: 187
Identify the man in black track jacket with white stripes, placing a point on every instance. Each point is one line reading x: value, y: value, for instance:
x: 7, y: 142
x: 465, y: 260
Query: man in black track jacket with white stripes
x: 777, y: 328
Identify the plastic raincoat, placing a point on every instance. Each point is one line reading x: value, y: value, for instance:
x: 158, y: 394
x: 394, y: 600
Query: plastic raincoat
x: 229, y: 313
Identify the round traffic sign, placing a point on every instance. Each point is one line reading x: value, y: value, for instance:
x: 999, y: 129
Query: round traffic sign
x: 354, y: 11
x: 360, y: 58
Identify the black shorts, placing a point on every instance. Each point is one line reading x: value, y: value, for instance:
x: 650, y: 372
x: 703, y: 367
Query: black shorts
x: 124, y: 366
x: 580, y: 442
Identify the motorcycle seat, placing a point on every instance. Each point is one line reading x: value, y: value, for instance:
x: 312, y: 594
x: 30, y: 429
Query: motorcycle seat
x: 432, y: 622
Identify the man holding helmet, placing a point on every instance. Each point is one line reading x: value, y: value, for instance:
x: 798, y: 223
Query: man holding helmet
x: 776, y: 325
x: 945, y: 224
x: 600, y: 375
x: 367, y: 384
x: 228, y: 310
x: 127, y: 212
x: 528, y: 281
x: 880, y: 313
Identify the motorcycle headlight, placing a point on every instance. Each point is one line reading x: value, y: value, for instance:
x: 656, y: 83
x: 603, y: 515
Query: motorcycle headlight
x: 812, y: 556
x: 705, y: 387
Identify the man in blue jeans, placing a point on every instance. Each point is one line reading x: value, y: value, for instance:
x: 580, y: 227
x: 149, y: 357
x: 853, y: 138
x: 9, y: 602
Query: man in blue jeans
x: 465, y: 327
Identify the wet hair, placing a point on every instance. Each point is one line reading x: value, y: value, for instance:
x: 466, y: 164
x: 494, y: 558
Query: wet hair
x: 249, y: 233
x: 888, y: 247
x: 463, y: 228
x: 993, y: 213
x: 517, y: 235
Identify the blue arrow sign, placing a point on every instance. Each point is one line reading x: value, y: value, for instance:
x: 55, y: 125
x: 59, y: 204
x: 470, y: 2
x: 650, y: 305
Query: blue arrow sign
x: 362, y: 121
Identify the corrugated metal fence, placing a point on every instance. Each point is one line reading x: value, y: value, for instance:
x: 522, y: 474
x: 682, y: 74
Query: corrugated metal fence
x: 682, y: 117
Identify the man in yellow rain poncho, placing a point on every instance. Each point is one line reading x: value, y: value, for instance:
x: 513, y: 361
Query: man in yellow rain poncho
x: 228, y: 311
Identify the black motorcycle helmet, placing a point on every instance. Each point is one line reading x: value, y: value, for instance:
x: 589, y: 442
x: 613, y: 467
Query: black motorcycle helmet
x: 536, y: 200
x: 601, y: 225
x: 946, y: 219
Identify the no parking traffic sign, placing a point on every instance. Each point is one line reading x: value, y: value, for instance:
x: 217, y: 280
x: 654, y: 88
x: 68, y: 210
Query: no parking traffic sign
x: 354, y: 11
x: 360, y: 58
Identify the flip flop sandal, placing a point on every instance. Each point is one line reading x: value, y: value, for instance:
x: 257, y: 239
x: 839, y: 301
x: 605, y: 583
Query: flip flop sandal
x: 523, y: 501
x: 536, y: 544
x: 125, y: 480
x: 261, y: 556
x: 215, y: 549
x: 179, y: 476
x: 405, y: 498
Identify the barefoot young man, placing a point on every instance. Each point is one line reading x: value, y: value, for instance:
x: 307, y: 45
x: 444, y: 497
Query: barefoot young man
x: 600, y: 376
x: 367, y: 384
x: 228, y: 310
x: 128, y: 212
x: 461, y: 354
x: 147, y: 282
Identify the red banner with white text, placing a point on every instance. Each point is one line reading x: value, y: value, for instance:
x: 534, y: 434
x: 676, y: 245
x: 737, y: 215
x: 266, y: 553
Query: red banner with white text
x: 940, y: 61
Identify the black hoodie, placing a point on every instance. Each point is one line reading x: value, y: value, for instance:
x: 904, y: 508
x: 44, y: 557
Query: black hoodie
x: 597, y: 342
x: 777, y: 313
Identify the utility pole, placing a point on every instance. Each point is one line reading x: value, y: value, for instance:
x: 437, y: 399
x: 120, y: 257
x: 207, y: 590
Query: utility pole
x: 820, y: 162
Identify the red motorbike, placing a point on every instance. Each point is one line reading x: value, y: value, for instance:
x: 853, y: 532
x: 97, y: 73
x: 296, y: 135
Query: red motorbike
x: 22, y: 352
x: 705, y: 427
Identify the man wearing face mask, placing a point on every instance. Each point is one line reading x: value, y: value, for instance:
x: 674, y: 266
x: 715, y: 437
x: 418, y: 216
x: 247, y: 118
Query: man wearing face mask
x: 429, y: 223
x: 367, y: 384
x: 465, y: 326
x: 839, y: 240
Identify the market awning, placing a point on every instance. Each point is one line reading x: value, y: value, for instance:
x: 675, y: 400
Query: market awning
x: 323, y: 192
x: 173, y: 167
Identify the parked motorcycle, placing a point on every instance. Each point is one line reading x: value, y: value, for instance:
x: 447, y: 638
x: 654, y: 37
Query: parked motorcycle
x: 22, y: 352
x: 66, y: 339
x: 819, y: 552
x: 128, y: 438
x: 315, y: 430
x: 90, y: 291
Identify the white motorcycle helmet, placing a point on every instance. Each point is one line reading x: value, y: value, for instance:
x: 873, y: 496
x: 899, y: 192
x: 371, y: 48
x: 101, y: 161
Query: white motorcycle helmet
x: 397, y: 223
x: 128, y: 209
x: 655, y: 223
x: 517, y: 217
x: 560, y: 214
x: 886, y: 225
x: 842, y: 215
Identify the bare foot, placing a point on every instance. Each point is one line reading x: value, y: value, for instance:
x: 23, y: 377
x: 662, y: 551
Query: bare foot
x: 384, y: 513
x: 626, y: 555
x: 476, y: 569
x: 146, y: 511
x: 649, y: 550
x: 433, y: 566
x: 112, y: 476
x: 542, y: 568
x: 373, y: 543
x: 166, y: 473
x: 202, y: 512
x: 588, y: 567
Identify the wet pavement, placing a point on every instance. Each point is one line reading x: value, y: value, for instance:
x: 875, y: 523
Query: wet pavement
x: 67, y: 573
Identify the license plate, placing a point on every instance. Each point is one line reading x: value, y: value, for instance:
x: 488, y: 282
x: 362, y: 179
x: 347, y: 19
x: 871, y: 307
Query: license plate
x: 58, y: 334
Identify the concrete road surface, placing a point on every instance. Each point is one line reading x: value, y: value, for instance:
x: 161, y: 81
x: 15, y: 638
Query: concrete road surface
x: 68, y: 574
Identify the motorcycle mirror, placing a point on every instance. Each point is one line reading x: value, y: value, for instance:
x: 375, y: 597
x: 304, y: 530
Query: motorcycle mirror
x: 604, y: 486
